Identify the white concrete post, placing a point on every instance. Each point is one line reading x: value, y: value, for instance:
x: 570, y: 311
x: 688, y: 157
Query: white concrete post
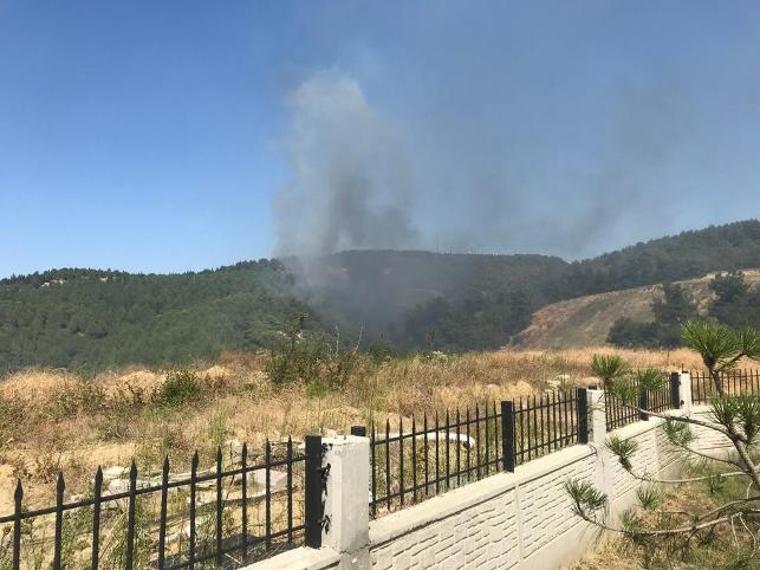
x: 597, y: 416
x: 597, y: 411
x: 684, y: 392
x: 347, y: 500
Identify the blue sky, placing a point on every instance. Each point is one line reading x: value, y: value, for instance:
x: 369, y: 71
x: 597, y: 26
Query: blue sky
x: 168, y: 136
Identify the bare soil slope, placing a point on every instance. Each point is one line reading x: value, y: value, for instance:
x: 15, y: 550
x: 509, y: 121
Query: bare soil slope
x: 586, y: 321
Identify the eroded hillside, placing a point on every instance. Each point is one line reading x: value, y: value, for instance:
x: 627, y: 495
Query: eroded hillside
x: 586, y: 321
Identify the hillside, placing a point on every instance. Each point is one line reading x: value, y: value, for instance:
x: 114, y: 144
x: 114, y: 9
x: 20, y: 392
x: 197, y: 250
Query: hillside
x: 586, y: 321
x: 494, y: 298
x: 466, y: 300
x: 96, y: 319
x: 411, y: 300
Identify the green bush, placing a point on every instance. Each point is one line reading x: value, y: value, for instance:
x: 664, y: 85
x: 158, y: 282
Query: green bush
x: 182, y: 387
x: 320, y: 366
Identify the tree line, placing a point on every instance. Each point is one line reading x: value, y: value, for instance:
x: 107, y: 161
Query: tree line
x: 94, y: 319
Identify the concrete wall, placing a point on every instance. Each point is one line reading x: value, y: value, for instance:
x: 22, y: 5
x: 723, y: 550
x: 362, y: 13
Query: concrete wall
x: 520, y: 520
x: 516, y: 520
x: 495, y: 523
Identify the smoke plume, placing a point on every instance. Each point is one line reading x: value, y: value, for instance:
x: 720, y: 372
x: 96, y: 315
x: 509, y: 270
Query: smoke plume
x: 359, y: 179
x: 351, y: 179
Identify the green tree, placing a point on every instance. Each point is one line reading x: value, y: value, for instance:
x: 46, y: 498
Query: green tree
x: 673, y: 309
x: 736, y: 304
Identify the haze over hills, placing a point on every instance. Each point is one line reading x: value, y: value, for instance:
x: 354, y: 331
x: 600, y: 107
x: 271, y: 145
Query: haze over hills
x: 409, y: 299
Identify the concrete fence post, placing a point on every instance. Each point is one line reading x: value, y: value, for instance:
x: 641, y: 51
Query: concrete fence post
x: 597, y: 421
x: 597, y: 414
x: 346, y: 520
x: 684, y: 392
x: 582, y: 417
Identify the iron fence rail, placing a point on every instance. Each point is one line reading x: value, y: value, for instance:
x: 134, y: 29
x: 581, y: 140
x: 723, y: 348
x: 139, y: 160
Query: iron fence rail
x: 545, y: 424
x: 439, y: 454
x: 664, y: 397
x: 738, y: 381
x: 617, y: 414
x: 459, y: 446
x: 184, y: 537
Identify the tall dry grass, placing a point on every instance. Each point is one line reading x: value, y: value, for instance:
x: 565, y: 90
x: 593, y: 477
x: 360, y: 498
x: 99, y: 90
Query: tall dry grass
x: 54, y: 420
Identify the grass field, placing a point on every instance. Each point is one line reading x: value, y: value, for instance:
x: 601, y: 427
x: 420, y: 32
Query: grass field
x: 53, y: 420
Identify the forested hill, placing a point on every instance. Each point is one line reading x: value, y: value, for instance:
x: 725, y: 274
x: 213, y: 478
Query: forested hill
x: 683, y: 256
x: 96, y: 319
x: 413, y: 300
x: 495, y: 298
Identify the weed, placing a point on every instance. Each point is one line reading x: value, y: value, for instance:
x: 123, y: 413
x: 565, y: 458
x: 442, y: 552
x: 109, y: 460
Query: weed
x: 114, y: 545
x: 155, y: 446
x: 218, y: 428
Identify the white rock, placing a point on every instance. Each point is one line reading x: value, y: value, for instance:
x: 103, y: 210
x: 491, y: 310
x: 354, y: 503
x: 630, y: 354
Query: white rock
x: 114, y: 472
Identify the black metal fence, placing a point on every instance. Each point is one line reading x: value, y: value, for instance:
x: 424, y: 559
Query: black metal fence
x: 431, y: 456
x: 440, y: 453
x: 660, y: 399
x: 222, y: 518
x: 745, y: 381
x: 617, y: 414
x: 546, y: 424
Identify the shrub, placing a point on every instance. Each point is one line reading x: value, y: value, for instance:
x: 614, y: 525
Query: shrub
x: 608, y: 368
x: 299, y: 362
x: 182, y: 387
x: 321, y: 366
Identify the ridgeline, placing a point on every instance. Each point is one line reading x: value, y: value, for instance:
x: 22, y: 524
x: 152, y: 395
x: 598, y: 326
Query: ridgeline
x: 409, y: 300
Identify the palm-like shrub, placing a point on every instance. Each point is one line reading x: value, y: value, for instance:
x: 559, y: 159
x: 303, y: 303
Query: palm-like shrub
x: 609, y: 368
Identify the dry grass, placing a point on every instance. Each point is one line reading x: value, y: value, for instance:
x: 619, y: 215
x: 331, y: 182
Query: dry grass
x: 53, y: 420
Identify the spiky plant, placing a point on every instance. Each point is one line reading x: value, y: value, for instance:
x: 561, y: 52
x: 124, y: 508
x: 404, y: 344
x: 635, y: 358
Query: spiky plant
x: 623, y: 449
x: 587, y: 499
x: 608, y: 368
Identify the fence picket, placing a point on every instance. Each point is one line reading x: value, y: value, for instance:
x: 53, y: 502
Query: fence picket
x: 414, y: 460
x: 57, y: 541
x: 427, y: 453
x: 193, y: 484
x: 289, y: 487
x: 131, y: 516
x: 163, y: 514
x: 401, y: 456
x: 97, y: 493
x: 218, y: 527
x: 244, y: 500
